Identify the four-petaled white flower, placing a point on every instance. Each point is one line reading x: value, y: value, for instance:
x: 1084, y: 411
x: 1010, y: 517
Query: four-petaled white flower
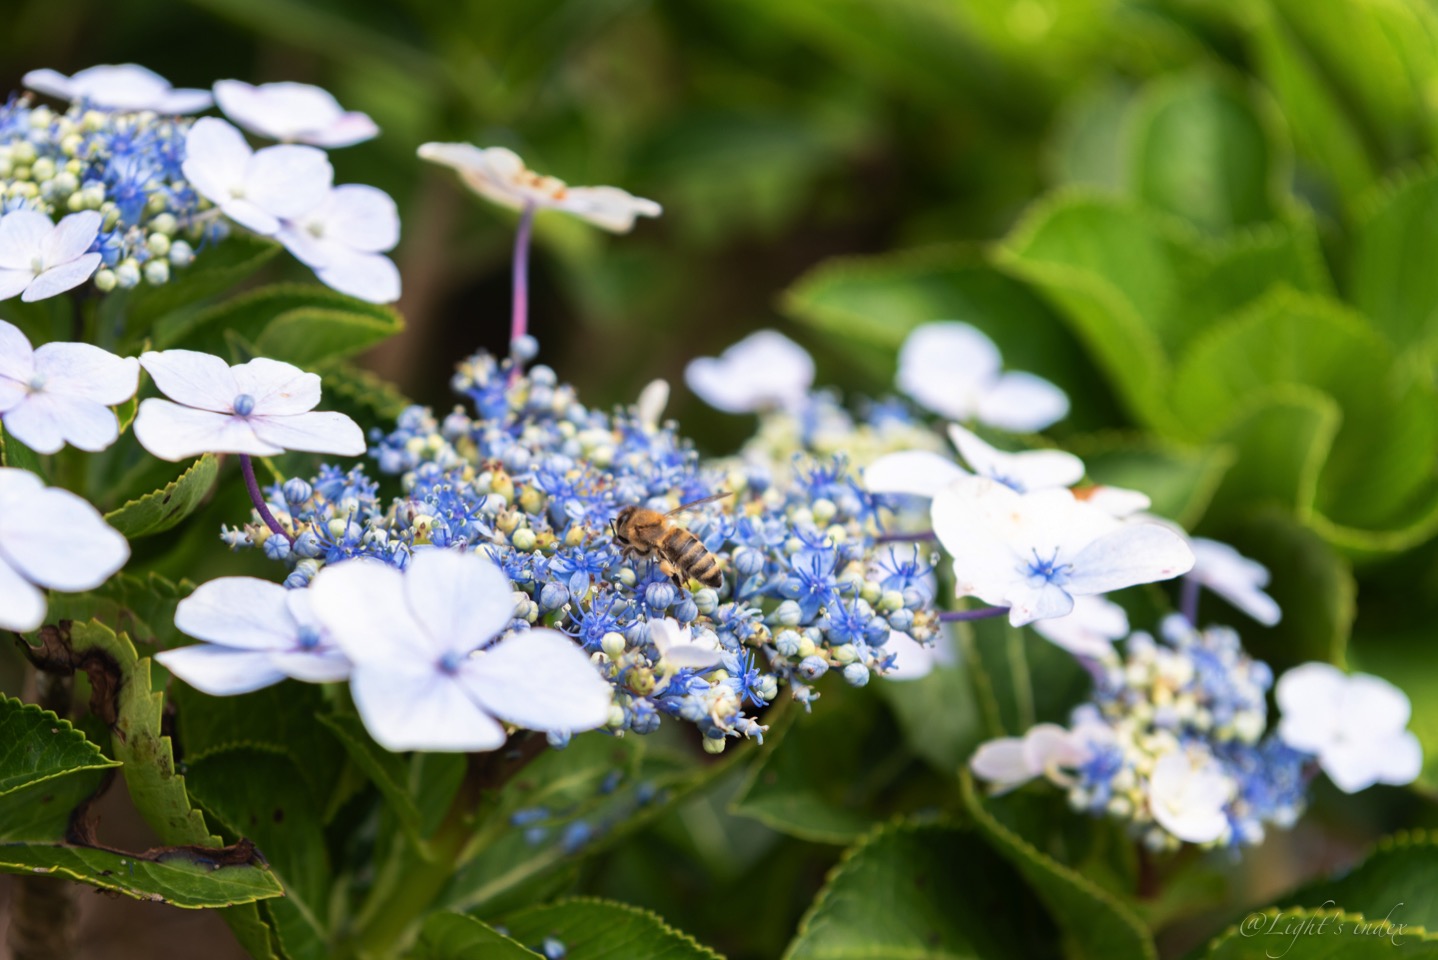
x: 125, y: 86
x: 923, y: 473
x: 765, y: 370
x: 427, y: 677
x: 955, y: 370
x: 1034, y: 553
x: 1235, y: 578
x: 1089, y: 630
x: 1188, y: 794
x: 261, y: 408
x: 256, y: 189
x: 39, y: 258
x: 259, y: 633
x: 1044, y: 751
x: 680, y: 649
x: 62, y: 392
x: 500, y: 175
x: 293, y: 112
x: 1355, y: 725
x: 343, y: 238
x: 49, y: 538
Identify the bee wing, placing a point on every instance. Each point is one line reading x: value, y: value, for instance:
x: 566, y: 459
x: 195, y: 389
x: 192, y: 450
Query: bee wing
x: 695, y: 503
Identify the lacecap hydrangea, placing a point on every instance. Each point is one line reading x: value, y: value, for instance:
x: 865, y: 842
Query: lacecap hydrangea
x: 125, y: 166
x: 534, y: 478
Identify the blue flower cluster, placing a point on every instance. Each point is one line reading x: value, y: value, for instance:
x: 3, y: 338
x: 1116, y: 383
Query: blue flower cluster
x: 124, y: 165
x: 535, y: 479
x: 1195, y: 691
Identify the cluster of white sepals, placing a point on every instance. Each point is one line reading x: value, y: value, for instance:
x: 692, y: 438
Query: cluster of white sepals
x: 428, y: 652
x: 1024, y: 538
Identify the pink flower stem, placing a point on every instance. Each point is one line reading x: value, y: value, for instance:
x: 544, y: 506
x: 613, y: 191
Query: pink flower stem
x: 1188, y: 601
x: 251, y: 484
x: 906, y: 537
x: 980, y: 613
x: 519, y: 311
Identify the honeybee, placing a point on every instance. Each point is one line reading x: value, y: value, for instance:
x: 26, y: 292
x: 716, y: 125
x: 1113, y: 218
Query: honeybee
x: 641, y: 532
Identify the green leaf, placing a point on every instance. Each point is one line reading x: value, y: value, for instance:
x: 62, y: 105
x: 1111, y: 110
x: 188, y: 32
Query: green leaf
x: 938, y: 714
x: 1303, y: 934
x: 184, y: 878
x: 247, y: 318
x: 1087, y: 146
x: 13, y: 453
x: 876, y: 301
x: 1179, y: 481
x: 360, y: 393
x: 1397, y: 646
x: 454, y: 936
x: 1202, y: 150
x: 1029, y: 679
x: 1385, y: 280
x: 36, y: 745
x: 260, y: 795
x: 1096, y: 923
x: 308, y: 337
x: 159, y: 511
x: 908, y: 891
x: 214, y: 271
x: 389, y: 771
x: 593, y: 929
x: 1397, y: 881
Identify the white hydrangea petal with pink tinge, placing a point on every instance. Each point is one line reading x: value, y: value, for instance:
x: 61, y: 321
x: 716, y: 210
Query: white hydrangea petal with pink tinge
x: 256, y: 189
x: 766, y: 370
x: 1235, y: 578
x: 1189, y: 793
x: 499, y: 175
x: 259, y: 633
x: 1355, y: 725
x: 125, y: 86
x: 343, y: 238
x: 1034, y: 553
x: 427, y: 677
x: 955, y: 370
x: 62, y: 393
x: 204, y: 413
x: 1089, y: 630
x: 680, y: 649
x: 919, y: 473
x: 293, y: 112
x: 40, y: 259
x: 1045, y: 750
x: 49, y: 538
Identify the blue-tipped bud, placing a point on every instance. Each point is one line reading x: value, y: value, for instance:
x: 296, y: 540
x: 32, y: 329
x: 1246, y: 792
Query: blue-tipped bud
x: 748, y: 561
x: 660, y: 596
x: 812, y: 668
x: 553, y: 596
x: 856, y: 674
x: 308, y: 545
x: 277, y: 547
x: 297, y: 490
x: 686, y: 610
x: 524, y: 348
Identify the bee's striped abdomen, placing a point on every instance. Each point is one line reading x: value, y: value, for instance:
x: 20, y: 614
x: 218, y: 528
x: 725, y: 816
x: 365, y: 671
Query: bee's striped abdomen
x: 686, y: 553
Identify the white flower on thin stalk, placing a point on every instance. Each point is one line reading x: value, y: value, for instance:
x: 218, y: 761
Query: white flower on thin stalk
x: 426, y: 674
x: 344, y: 237
x: 125, y: 87
x: 1089, y: 630
x: 260, y: 408
x: 1046, y: 750
x: 680, y: 649
x: 1188, y: 795
x: 293, y: 113
x: 922, y: 473
x: 49, y: 538
x: 766, y: 370
x: 499, y: 175
x: 40, y: 259
x: 956, y: 371
x: 259, y: 633
x: 1235, y: 578
x: 1034, y: 553
x: 62, y: 392
x: 1356, y: 725
x: 256, y: 189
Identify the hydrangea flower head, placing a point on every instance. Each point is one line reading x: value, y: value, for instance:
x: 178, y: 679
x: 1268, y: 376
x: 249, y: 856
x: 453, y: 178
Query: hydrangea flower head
x: 261, y: 408
x: 259, y: 633
x: 428, y: 671
x: 62, y: 392
x: 500, y: 176
x: 126, y: 87
x: 293, y: 113
x: 955, y: 370
x: 49, y: 538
